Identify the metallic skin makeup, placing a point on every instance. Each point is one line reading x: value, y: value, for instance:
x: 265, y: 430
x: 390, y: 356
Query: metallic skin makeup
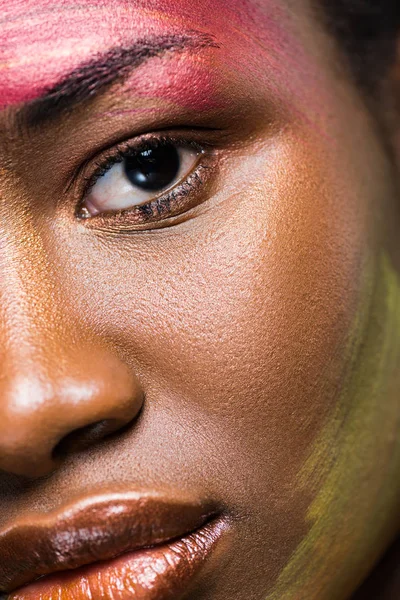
x: 200, y: 392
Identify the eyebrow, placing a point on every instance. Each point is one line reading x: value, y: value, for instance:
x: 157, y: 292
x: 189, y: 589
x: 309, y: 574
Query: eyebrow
x: 93, y: 77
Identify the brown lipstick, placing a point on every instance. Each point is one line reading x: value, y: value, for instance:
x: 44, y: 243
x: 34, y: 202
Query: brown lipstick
x: 113, y: 546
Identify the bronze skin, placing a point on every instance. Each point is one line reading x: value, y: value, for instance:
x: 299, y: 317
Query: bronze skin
x: 210, y: 357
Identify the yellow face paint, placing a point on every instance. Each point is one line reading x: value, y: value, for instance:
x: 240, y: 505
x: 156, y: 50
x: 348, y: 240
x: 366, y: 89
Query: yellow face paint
x: 355, y: 462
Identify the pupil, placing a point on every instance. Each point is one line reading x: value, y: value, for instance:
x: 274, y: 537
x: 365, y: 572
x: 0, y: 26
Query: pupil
x: 153, y: 169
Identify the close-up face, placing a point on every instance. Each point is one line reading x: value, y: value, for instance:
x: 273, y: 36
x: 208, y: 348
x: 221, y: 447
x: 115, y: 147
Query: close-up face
x: 199, y: 305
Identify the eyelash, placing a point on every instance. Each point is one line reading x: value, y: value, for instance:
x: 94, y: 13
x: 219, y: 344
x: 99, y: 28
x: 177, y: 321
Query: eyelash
x: 162, y: 206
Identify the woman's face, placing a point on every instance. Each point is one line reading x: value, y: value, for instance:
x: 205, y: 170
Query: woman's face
x: 199, y: 290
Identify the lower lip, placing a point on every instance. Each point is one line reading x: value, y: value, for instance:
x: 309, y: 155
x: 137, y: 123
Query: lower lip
x: 162, y: 572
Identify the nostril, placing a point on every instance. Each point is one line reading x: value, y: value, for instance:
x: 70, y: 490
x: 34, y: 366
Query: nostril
x: 87, y: 436
x: 120, y: 407
x: 51, y: 409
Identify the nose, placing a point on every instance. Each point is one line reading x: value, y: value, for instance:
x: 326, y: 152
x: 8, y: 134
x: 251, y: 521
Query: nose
x: 64, y: 386
x: 62, y: 403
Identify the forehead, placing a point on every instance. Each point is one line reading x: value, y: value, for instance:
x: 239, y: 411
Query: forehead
x: 41, y: 40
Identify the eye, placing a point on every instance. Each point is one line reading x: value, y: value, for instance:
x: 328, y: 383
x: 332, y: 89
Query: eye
x: 137, y: 176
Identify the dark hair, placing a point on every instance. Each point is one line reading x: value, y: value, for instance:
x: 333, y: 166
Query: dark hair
x: 367, y: 30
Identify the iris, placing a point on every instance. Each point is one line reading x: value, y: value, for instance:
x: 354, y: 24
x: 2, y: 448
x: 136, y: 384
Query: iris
x: 153, y: 168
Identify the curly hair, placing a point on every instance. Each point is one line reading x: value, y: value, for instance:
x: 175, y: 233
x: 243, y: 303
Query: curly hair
x: 367, y: 30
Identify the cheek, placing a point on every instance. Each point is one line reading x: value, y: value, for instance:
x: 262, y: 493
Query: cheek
x: 241, y: 314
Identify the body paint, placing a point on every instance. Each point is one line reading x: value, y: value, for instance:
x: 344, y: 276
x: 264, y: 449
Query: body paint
x: 338, y: 469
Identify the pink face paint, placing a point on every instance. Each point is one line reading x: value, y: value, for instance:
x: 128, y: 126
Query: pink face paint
x: 187, y: 81
x: 42, y: 40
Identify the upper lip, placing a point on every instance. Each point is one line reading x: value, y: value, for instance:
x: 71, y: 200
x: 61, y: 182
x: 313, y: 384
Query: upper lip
x: 93, y: 529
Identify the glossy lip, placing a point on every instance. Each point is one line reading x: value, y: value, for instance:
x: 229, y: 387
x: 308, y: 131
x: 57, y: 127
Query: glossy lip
x: 95, y: 529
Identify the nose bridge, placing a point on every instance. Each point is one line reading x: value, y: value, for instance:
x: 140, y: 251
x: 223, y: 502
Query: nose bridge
x: 27, y: 284
x: 61, y: 388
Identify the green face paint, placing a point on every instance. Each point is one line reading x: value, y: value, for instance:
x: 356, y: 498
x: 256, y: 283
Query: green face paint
x: 355, y: 463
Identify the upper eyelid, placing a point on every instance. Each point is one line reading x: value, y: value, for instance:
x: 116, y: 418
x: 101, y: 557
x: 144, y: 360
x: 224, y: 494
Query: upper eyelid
x: 207, y: 138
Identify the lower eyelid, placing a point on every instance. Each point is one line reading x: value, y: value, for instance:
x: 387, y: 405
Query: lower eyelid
x: 165, y: 208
